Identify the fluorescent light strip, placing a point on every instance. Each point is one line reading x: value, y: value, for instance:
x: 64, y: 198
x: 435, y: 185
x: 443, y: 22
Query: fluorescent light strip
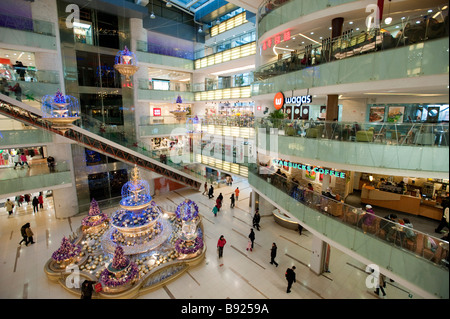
x: 308, y: 38
x: 252, y: 66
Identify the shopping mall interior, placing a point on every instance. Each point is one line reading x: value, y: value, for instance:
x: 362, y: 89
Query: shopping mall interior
x: 313, y: 134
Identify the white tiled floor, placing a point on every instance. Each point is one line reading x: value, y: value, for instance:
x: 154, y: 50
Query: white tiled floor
x: 239, y: 274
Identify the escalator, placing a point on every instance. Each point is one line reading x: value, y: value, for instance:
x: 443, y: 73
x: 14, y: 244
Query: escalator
x: 124, y: 150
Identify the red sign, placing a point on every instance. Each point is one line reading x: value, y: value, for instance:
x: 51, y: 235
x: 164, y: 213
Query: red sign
x: 276, y: 39
x: 278, y: 100
x: 156, y: 111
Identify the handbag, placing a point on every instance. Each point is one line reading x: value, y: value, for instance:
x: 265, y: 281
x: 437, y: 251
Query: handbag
x: 98, y: 287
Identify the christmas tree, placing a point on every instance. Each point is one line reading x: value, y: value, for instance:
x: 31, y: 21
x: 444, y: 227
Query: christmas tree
x: 95, y: 216
x: 94, y: 209
x: 119, y: 261
x: 66, y: 251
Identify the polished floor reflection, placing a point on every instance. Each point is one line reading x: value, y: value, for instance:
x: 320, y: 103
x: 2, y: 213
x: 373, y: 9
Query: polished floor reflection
x: 240, y: 274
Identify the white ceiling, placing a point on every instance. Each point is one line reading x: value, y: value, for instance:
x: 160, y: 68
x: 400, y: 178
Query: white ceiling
x: 27, y: 58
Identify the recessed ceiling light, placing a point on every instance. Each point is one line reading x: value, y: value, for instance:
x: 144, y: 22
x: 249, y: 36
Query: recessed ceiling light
x: 418, y: 21
x: 357, y: 29
x: 403, y: 18
x: 312, y: 33
x: 321, y: 38
x: 329, y: 28
x: 430, y: 11
x: 388, y: 20
x: 397, y: 27
x: 287, y: 46
x: 351, y: 22
x: 303, y: 42
x: 293, y: 38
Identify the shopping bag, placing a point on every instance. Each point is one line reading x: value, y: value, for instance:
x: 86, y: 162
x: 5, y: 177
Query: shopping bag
x: 98, y: 287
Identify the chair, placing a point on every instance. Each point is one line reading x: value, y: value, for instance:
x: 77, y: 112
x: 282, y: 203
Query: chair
x: 373, y: 229
x: 336, y: 209
x: 365, y: 136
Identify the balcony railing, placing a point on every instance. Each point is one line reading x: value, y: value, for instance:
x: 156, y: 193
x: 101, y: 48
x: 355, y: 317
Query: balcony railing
x: 408, y: 32
x: 395, y: 233
x: 244, y: 80
x: 27, y: 24
x: 418, y: 134
x: 164, y: 50
x: 171, y: 86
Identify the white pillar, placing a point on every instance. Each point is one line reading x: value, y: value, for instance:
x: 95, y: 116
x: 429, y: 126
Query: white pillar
x: 65, y: 199
x: 318, y: 256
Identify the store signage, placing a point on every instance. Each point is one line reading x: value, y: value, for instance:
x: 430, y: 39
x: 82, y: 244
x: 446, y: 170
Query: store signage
x: 309, y: 168
x: 298, y: 100
x: 276, y: 39
x: 278, y: 100
x: 156, y: 111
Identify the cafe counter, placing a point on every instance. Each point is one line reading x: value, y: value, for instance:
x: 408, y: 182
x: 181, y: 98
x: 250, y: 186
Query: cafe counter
x: 402, y: 203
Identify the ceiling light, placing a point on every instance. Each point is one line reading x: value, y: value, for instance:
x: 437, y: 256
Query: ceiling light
x: 329, y: 28
x: 321, y: 38
x: 312, y: 33
x: 388, y: 20
x: 357, y: 29
x: 168, y: 4
x: 351, y: 22
x: 444, y: 7
x: 430, y: 11
x: 200, y: 29
x: 252, y: 66
x: 418, y: 21
x: 293, y: 38
x: 403, y: 18
x: 152, y: 16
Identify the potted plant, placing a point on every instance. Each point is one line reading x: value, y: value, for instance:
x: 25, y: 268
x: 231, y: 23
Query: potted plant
x: 276, y: 117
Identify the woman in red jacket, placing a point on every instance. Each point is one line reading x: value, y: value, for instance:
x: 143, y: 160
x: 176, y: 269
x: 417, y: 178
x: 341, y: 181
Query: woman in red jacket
x: 220, y: 245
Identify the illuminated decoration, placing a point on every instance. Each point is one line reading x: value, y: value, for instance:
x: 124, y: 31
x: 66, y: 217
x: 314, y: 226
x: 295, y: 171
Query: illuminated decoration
x: 126, y: 63
x: 61, y: 110
x: 96, y: 220
x: 139, y: 249
x: 227, y: 55
x: 229, y: 24
x: 181, y: 112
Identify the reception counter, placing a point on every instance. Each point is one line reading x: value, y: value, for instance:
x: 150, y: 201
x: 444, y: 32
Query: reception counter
x: 402, y: 203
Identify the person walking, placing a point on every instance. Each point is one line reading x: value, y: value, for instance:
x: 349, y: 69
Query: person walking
x: 35, y: 203
x: 17, y: 161
x: 23, y: 232
x: 251, y: 236
x: 444, y: 220
x: 256, y: 220
x: 381, y: 285
x: 23, y: 159
x: 17, y: 91
x: 290, y: 277
x: 206, y: 188
x: 9, y: 205
x: 41, y: 201
x: 87, y: 289
x: 236, y: 193
x: 211, y: 192
x: 273, y: 254
x: 232, y: 201
x: 215, y: 210
x: 30, y: 234
x: 220, y: 244
x: 218, y: 204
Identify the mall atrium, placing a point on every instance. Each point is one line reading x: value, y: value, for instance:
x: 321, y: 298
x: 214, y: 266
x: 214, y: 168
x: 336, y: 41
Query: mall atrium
x: 135, y: 133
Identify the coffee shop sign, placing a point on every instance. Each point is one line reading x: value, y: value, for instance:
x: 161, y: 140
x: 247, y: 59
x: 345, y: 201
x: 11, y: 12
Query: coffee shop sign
x: 309, y: 168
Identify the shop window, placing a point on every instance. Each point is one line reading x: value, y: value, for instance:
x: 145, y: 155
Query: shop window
x: 82, y: 32
x: 98, y: 186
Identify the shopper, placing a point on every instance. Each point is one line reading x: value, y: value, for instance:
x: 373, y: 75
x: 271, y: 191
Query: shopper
x: 387, y: 225
x: 30, y: 234
x: 215, y: 210
x: 17, y: 161
x: 232, y: 201
x: 51, y: 163
x: 41, y: 201
x: 300, y: 229
x: 87, y: 289
x: 17, y: 91
x: 35, y: 203
x: 256, y: 220
x: 206, y: 188
x: 23, y: 159
x: 220, y: 197
x: 290, y: 277
x: 9, y: 205
x: 211, y: 192
x: 23, y: 232
x: 381, y: 285
x: 236, y: 193
x: 273, y: 254
x: 220, y: 244
x: 28, y: 198
x: 444, y: 219
x: 218, y: 204
x: 369, y: 216
x: 251, y: 236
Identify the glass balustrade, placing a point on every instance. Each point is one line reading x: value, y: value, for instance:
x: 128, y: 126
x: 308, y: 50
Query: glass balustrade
x: 27, y: 24
x: 408, y: 31
x: 403, y: 134
x: 395, y: 233
x: 164, y: 50
x: 168, y: 85
x: 239, y: 81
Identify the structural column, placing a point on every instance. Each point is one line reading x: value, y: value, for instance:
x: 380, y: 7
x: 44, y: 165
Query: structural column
x: 320, y: 256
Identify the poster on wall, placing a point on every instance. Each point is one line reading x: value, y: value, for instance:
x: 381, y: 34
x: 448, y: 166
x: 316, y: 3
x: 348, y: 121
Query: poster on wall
x: 376, y: 114
x: 395, y: 114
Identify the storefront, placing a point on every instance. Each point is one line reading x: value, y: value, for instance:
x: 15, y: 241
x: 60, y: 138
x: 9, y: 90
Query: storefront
x: 17, y: 65
x: 416, y: 196
x: 32, y: 153
x: 408, y: 113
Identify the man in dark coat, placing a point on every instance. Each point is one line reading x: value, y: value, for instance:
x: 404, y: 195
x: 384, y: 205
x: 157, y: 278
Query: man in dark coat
x: 256, y: 219
x: 273, y: 254
x: 290, y: 277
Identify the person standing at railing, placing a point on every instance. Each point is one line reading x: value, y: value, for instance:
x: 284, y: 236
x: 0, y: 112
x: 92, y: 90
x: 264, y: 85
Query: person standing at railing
x: 17, y: 91
x: 444, y: 220
x: 20, y: 69
x: 3, y: 86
